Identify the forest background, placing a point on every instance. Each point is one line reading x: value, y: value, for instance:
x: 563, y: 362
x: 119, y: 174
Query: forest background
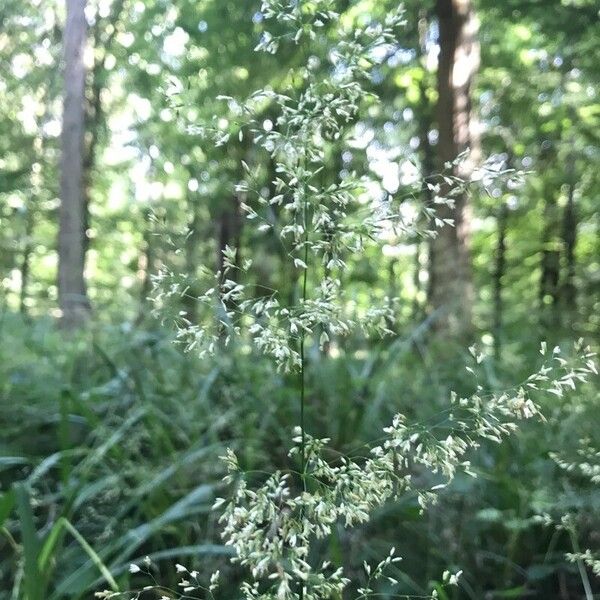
x: 111, y: 432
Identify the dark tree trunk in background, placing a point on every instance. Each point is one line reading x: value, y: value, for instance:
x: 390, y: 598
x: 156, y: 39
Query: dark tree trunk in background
x: 569, y: 235
x: 417, y: 308
x: 451, y: 293
x: 92, y: 125
x: 550, y: 264
x: 192, y: 241
x: 26, y: 260
x: 499, y: 271
x: 72, y: 293
x: 145, y: 266
x: 229, y: 230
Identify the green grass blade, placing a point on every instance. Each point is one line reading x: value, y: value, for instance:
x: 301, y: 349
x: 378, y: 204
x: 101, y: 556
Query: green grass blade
x: 55, y: 536
x: 52, y: 541
x: 92, y: 554
x: 33, y: 583
x: 7, y: 502
x: 197, y: 500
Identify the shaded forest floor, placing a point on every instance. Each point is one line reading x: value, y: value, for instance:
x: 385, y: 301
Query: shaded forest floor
x: 118, y: 432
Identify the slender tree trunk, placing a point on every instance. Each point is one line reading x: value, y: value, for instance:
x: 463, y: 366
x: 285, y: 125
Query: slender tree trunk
x: 72, y: 293
x: 145, y: 267
x: 192, y: 241
x: 92, y: 124
x: 569, y: 235
x: 550, y: 265
x: 417, y: 309
x: 499, y: 270
x: 451, y: 292
x: 26, y: 260
x: 229, y: 231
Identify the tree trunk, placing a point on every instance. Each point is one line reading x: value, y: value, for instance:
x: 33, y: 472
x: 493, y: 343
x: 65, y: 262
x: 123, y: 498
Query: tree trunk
x: 569, y: 235
x: 425, y: 111
x: 499, y: 270
x: 192, y: 241
x: 550, y: 265
x: 417, y: 309
x: 229, y: 231
x: 451, y: 293
x: 72, y: 293
x: 145, y: 267
x: 26, y: 259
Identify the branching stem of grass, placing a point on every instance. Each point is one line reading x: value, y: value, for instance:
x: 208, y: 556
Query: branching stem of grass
x: 589, y: 595
x: 303, y: 355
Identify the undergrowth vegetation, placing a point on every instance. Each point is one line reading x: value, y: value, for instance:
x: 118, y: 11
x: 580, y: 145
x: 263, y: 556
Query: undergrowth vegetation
x: 133, y: 467
x: 303, y: 448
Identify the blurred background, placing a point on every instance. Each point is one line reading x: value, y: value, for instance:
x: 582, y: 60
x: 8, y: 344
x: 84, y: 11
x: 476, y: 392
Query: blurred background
x: 110, y: 433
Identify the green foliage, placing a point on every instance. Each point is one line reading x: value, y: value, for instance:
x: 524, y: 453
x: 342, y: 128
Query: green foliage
x: 110, y: 438
x: 99, y: 479
x: 273, y: 527
x: 133, y: 488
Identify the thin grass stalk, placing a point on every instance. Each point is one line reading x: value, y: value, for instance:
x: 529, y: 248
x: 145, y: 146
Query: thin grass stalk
x: 303, y: 355
x: 589, y: 594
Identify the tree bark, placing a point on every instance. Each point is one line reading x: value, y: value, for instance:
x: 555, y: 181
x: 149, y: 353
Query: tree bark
x: 192, y: 241
x: 26, y: 260
x: 499, y: 270
x: 451, y: 290
x: 72, y: 292
x: 550, y: 264
x: 145, y: 267
x: 569, y: 235
x: 417, y: 308
x: 229, y: 232
x: 229, y: 224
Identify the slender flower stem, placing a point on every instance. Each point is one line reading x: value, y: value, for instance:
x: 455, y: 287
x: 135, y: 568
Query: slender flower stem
x: 580, y: 566
x: 302, y: 403
x: 302, y: 355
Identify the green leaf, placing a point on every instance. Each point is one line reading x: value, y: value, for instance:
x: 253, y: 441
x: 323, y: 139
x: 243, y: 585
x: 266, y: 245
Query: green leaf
x: 126, y: 545
x: 7, y: 502
x: 33, y: 583
x: 52, y: 540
